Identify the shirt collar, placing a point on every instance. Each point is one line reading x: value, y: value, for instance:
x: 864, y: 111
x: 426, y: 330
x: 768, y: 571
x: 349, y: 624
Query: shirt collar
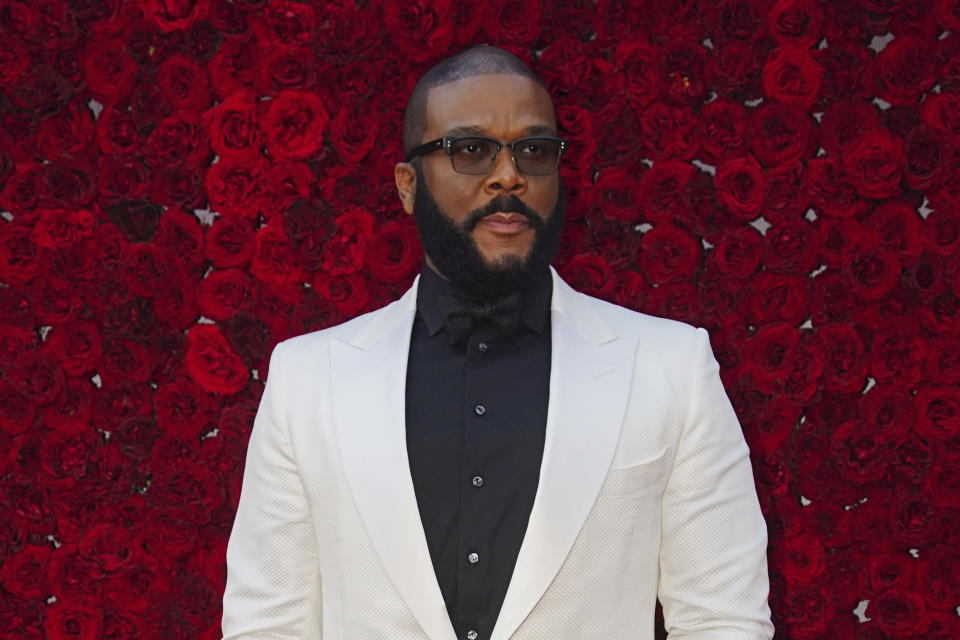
x: 534, y: 311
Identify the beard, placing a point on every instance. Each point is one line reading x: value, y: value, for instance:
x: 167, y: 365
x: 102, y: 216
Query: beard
x: 455, y: 255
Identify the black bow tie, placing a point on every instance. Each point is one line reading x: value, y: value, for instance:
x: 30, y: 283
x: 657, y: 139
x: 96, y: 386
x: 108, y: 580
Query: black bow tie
x: 462, y: 315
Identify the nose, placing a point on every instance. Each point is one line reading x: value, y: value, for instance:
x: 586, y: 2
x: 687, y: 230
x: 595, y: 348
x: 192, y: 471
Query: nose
x: 505, y: 177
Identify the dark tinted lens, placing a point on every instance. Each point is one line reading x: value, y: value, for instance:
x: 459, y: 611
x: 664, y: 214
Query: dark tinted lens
x: 472, y: 155
x: 537, y: 156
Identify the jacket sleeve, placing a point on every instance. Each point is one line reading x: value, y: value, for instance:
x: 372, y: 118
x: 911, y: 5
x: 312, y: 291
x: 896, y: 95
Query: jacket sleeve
x: 713, y: 565
x: 273, y: 582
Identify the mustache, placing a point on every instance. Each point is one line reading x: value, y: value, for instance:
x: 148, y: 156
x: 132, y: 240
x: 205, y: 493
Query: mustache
x: 505, y: 204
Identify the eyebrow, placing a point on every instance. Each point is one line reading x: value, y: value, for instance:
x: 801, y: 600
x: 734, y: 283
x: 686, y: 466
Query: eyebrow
x: 534, y: 130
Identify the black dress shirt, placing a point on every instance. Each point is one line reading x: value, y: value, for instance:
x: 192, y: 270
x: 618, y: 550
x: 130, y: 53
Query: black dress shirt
x: 476, y: 417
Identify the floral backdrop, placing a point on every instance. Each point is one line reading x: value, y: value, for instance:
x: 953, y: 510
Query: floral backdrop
x: 184, y: 183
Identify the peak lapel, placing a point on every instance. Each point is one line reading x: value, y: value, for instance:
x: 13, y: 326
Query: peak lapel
x: 590, y: 377
x: 369, y: 397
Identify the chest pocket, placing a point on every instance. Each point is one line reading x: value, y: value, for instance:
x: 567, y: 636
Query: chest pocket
x: 648, y: 476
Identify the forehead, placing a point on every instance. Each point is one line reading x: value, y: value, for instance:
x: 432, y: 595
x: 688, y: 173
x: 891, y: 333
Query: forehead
x: 494, y: 104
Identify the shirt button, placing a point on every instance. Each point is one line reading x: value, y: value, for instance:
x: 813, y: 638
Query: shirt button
x: 473, y: 558
x: 477, y: 481
x: 482, y: 347
x: 471, y: 635
x: 480, y: 409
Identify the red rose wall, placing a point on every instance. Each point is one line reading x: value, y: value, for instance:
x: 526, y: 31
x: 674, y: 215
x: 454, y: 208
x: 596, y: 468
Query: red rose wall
x: 186, y: 183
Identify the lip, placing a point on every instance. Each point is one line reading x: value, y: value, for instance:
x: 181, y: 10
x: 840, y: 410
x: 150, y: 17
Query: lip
x: 504, y: 223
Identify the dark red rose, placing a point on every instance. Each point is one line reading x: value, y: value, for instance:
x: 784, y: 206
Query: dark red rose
x: 17, y: 413
x: 72, y: 409
x: 184, y: 83
x: 169, y: 537
x: 294, y: 125
x: 943, y: 360
x: 566, y: 65
x: 913, y: 458
x: 286, y: 25
x: 789, y: 248
x: 874, y: 163
x: 230, y: 241
x: 234, y: 125
x: 175, y: 15
x: 346, y: 250
x: 109, y: 70
x: 741, y: 185
x: 838, y: 238
x: 37, y: 375
x: 69, y: 133
x: 830, y: 190
x: 663, y: 189
x: 121, y: 178
x: 897, y: 355
x: 72, y: 619
x: 773, y: 424
x: 807, y: 612
x: 905, y: 69
x: 785, y: 199
x: 720, y: 302
x: 872, y: 272
x: 638, y: 64
x: 770, y: 352
x: 394, y: 252
x: 224, y: 292
x: 669, y: 132
x: 24, y: 574
x: 25, y: 191
x: 779, y: 133
x: 845, y: 364
x: 250, y: 338
x: 723, y: 125
x: 77, y: 345
x: 421, y: 30
x: 942, y: 229
x: 74, y: 576
x: 795, y: 23
x: 631, y: 289
x: 939, y: 111
x: 669, y: 253
x: 591, y: 274
x: 938, y: 411
x: 888, y: 409
x: 347, y: 292
x: 676, y: 300
x: 181, y: 409
x: 792, y: 76
x: 926, y: 155
x: 286, y: 70
x: 777, y: 297
x: 234, y: 67
x: 355, y: 130
x: 180, y: 140
x: 802, y: 558
x: 618, y: 192
x: 273, y: 260
x: 859, y: 453
x: 734, y: 69
x: 512, y: 22
x: 846, y: 120
x: 934, y: 578
x: 235, y: 186
x: 211, y: 363
x: 180, y: 235
x: 736, y: 252
x: 287, y: 182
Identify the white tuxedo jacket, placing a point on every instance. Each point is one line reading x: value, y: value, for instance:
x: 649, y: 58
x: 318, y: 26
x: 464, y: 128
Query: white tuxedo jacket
x: 645, y: 490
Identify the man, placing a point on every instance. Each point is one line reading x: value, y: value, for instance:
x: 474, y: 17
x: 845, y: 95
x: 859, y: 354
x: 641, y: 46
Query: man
x: 494, y: 455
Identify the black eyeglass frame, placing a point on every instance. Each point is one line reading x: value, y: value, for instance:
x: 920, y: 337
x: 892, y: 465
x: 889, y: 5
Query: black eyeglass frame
x: 446, y: 143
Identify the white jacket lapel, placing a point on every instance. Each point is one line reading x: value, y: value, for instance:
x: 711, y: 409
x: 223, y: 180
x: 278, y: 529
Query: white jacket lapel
x: 590, y: 377
x: 369, y: 389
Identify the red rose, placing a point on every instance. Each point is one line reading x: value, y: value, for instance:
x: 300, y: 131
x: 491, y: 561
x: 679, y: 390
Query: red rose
x: 803, y: 559
x: 109, y: 70
x: 741, y: 184
x: 181, y: 236
x: 355, y: 130
x: 234, y: 125
x: 807, y: 612
x: 234, y: 66
x: 943, y: 360
x: 286, y: 70
x: 874, y: 163
x: 792, y: 76
x: 184, y: 83
x: 638, y: 64
x: 235, y: 186
x: 942, y: 229
x: 181, y: 409
x: 37, y: 375
x: 779, y: 133
x: 394, y: 252
x: 250, y: 338
x: 734, y: 68
x: 770, y: 352
x: 669, y: 132
x: 913, y: 459
x: 565, y: 65
x: 846, y: 120
x: 631, y: 290
x: 860, y: 454
x: 939, y: 412
x: 723, y: 125
x: 24, y: 574
x: 872, y: 272
x: 17, y: 413
x: 898, y: 612
x: 70, y: 133
x: 789, y: 248
x: 287, y: 25
x: 830, y: 190
x: 775, y: 297
x: 617, y: 244
x: 25, y: 191
x: 347, y: 292
x: 590, y: 274
x: 180, y: 140
x: 211, y: 363
x: 169, y: 537
x: 108, y: 546
x: 618, y: 192
x: 905, y: 69
x: 795, y: 23
x: 669, y: 253
x: 224, y: 292
x: 121, y: 178
x: 897, y: 355
x: 785, y: 200
x: 175, y: 15
x: 423, y: 30
x: 939, y: 111
x: 720, y: 302
x: 346, y: 250
x: 927, y: 154
x: 77, y: 345
x: 512, y: 22
x: 230, y: 241
x: 676, y: 300
x: 663, y: 189
x: 836, y: 239
x: 294, y: 125
x: 273, y: 260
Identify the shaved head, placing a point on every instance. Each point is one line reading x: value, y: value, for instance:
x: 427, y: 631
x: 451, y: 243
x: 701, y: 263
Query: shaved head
x: 475, y: 61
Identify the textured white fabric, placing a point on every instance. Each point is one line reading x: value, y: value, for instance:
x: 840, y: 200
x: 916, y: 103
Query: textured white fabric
x: 673, y: 513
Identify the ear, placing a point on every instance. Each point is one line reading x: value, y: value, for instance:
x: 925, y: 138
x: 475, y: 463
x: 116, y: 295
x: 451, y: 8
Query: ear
x: 405, y: 176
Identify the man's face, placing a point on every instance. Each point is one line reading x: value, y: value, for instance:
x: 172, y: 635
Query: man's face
x: 501, y: 211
